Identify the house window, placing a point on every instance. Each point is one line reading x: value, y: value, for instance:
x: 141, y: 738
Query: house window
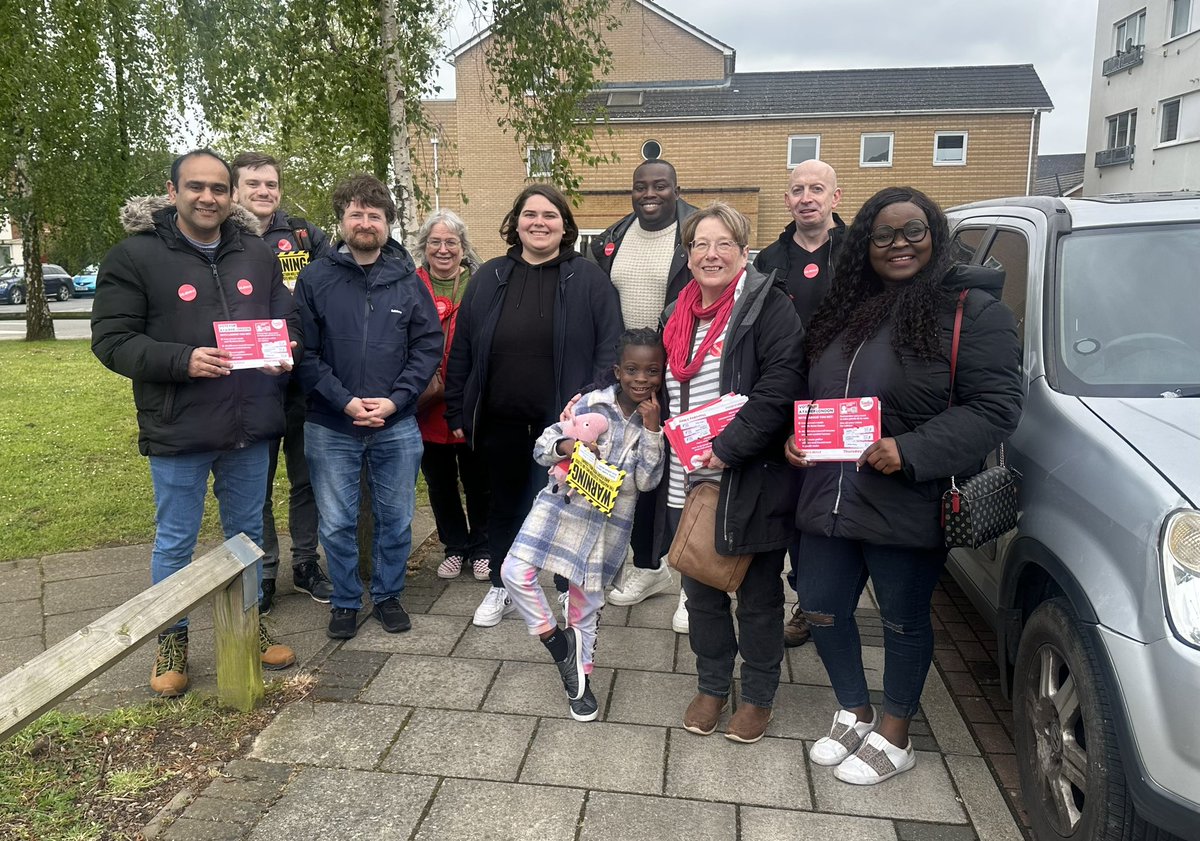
x: 803, y: 147
x: 1181, y: 17
x: 876, y: 149
x: 1121, y: 129
x: 1169, y: 120
x: 651, y: 150
x: 1129, y: 33
x: 539, y: 162
x: 949, y: 148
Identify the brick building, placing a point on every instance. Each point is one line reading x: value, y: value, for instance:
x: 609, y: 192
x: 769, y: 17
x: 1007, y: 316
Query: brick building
x: 959, y: 133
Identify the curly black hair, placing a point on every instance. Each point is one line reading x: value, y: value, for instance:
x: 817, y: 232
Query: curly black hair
x: 858, y: 302
x: 634, y: 337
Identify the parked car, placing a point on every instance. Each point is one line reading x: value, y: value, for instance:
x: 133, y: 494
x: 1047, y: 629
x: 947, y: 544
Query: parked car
x: 84, y: 283
x: 1095, y: 596
x: 12, y: 283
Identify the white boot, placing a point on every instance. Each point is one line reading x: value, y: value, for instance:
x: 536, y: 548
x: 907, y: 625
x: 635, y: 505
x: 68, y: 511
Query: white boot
x: 679, y: 622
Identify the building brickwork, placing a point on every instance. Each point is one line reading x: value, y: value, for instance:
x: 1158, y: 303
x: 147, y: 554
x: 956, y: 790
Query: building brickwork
x: 743, y: 161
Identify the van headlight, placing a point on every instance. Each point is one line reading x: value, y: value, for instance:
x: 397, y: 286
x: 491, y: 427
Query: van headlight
x: 1181, y: 572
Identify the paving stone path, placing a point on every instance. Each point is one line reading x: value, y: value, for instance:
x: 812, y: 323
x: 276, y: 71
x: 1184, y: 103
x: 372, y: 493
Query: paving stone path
x: 450, y: 731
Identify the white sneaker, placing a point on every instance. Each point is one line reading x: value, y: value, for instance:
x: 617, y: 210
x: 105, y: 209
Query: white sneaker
x: 876, y: 760
x: 640, y: 584
x: 563, y: 600
x: 679, y: 621
x: 495, y: 606
x: 844, y: 738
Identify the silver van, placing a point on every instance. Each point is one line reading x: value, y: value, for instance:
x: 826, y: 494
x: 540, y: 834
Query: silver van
x: 1095, y: 596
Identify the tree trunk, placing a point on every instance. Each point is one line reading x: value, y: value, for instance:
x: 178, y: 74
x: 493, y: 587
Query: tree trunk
x: 398, y: 129
x: 38, y: 324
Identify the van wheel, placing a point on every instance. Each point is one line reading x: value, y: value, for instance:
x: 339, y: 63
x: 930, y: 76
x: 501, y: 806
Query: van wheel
x: 1072, y: 779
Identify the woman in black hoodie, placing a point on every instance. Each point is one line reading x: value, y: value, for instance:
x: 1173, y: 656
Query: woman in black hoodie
x: 534, y: 328
x: 885, y: 331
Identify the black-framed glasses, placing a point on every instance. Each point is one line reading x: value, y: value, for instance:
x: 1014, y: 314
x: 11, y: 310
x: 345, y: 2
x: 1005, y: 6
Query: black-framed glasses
x: 913, y: 231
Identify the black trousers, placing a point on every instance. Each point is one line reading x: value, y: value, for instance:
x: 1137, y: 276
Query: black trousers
x: 444, y: 466
x: 514, y: 479
x: 302, y: 503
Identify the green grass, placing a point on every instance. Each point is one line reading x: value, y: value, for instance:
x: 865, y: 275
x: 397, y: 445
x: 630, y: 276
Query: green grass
x: 65, y: 776
x: 72, y: 477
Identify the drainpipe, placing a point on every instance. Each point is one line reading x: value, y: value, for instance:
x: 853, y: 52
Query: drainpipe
x: 1032, y: 135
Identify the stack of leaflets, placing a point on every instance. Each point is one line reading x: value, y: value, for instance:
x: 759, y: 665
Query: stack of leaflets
x: 691, y: 434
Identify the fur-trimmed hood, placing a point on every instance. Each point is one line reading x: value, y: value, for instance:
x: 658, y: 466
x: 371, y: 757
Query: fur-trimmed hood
x: 137, y: 216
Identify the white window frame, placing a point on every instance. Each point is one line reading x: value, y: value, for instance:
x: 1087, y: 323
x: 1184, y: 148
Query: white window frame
x: 1188, y: 25
x: 862, y: 148
x: 940, y: 134
x: 1135, y: 22
x: 816, y: 138
x: 584, y: 240
x: 1130, y: 128
x: 529, y: 173
x: 1162, y: 121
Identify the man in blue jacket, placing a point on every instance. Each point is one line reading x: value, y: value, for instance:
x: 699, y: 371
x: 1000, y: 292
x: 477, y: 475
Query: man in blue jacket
x: 374, y: 345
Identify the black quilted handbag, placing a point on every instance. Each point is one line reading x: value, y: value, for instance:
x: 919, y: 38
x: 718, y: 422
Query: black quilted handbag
x: 983, y: 507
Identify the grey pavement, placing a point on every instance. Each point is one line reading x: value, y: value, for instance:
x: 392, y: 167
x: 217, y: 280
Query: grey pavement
x: 449, y: 731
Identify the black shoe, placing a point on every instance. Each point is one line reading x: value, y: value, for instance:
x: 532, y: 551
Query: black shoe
x: 308, y: 577
x: 268, y: 596
x: 585, y: 708
x: 343, y: 623
x: 571, y: 669
x: 392, y: 616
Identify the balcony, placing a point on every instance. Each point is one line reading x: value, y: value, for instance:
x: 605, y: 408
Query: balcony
x: 1131, y: 57
x: 1117, y: 155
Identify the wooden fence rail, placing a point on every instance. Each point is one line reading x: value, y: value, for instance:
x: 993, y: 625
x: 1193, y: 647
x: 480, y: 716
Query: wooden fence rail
x: 227, y: 572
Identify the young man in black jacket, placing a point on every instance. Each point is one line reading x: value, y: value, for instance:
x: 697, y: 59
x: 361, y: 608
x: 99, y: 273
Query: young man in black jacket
x: 645, y: 260
x: 373, y: 344
x: 186, y: 265
x: 257, y: 184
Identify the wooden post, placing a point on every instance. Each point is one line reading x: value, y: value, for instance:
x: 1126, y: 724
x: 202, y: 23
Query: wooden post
x: 239, y: 663
x: 36, y: 686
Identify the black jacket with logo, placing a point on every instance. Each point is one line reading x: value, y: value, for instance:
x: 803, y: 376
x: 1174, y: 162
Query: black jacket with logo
x: 806, y: 294
x: 374, y: 335
x: 935, y: 441
x: 156, y: 300
x: 605, y: 247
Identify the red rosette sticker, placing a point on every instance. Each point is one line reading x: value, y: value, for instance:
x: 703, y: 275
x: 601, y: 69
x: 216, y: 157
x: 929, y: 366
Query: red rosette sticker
x: 609, y: 249
x: 187, y: 292
x: 245, y: 287
x: 443, y: 307
x: 812, y: 270
x: 284, y: 245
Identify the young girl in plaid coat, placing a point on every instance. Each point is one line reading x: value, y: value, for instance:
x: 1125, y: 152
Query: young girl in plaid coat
x: 574, y: 538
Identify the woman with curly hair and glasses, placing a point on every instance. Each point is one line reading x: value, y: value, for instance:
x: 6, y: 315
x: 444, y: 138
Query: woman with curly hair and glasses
x: 885, y: 331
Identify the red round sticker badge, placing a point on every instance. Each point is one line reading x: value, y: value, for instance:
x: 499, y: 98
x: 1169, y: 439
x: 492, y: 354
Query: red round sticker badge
x: 187, y: 292
x: 812, y: 270
x: 283, y: 245
x: 245, y: 287
x: 443, y: 306
x: 609, y: 249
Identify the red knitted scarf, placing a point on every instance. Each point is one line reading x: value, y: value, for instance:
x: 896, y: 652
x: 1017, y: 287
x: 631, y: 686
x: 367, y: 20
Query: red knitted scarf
x: 681, y: 326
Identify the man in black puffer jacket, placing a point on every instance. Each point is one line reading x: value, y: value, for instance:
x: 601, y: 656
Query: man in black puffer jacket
x: 158, y: 292
x: 373, y: 340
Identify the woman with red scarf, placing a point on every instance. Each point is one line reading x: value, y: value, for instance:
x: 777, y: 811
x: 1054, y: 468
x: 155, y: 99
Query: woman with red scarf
x: 734, y: 330
x: 447, y: 260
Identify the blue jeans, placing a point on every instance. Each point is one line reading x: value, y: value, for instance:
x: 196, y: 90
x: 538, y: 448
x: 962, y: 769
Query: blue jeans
x: 335, y: 460
x: 832, y: 574
x: 180, y: 485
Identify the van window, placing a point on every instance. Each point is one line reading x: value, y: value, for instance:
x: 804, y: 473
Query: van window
x: 966, y: 242
x: 1009, y: 252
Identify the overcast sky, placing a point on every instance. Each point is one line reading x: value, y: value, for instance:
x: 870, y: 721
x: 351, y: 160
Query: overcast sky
x: 1055, y: 36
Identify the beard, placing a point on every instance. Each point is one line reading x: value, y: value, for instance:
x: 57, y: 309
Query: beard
x: 366, y: 240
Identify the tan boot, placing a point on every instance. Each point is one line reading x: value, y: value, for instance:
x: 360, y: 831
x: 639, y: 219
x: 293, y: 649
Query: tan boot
x: 703, y: 713
x: 795, y: 630
x: 748, y: 724
x: 169, y: 676
x: 274, y: 655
